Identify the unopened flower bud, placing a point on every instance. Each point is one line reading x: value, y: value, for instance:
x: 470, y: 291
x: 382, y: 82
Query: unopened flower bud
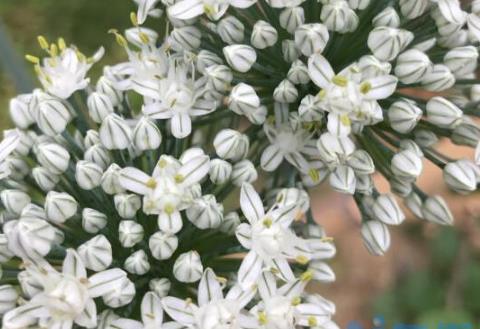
x: 14, y: 200
x: 361, y: 162
x: 96, y: 253
x: 98, y: 155
x: 130, y: 233
x: 88, y: 174
x: 411, y: 66
x: 291, y: 18
x: 289, y: 51
x: 105, y: 86
x: 263, y: 35
x: 244, y: 172
x: 240, y: 57
x: 311, y: 38
x: 401, y: 186
x: 93, y: 220
x: 321, y: 271
x: 436, y: 210
x: 122, y: 295
x: 415, y: 204
x: 231, y: 30
x: 376, y: 237
x: 8, y: 298
x: 466, y: 133
x: 231, y: 145
x: 45, y: 179
x: 339, y: 17
x: 387, y: 17
x: 205, y: 213
x: 461, y: 176
x: 99, y: 106
x: 442, y: 112
x: 20, y: 111
x: 5, y: 253
x: 386, y: 209
x: 342, y: 179
x: 285, y: 92
x: 412, y: 8
x: 387, y: 42
x: 51, y: 115
x: 206, y: 58
x: 230, y: 223
x: 298, y: 73
x: 53, y: 157
x: 406, y: 164
x: 110, y: 180
x: 162, y: 245
x: 114, y: 133
x: 146, y: 135
x: 60, y: 206
x: 137, y: 263
x: 127, y: 205
x: 160, y: 286
x: 185, y: 38
x: 188, y: 267
x: 461, y: 60
x: 220, y: 171
x: 243, y: 99
x: 425, y: 138
x: 403, y: 116
x: 439, y: 78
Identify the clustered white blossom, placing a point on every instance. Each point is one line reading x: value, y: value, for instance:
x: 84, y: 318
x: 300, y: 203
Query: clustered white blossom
x: 118, y: 198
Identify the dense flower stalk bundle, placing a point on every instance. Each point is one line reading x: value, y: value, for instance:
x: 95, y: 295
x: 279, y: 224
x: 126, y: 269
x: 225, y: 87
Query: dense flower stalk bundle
x: 119, y: 198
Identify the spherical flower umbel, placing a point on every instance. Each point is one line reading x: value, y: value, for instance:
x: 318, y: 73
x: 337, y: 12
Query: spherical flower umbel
x: 155, y: 197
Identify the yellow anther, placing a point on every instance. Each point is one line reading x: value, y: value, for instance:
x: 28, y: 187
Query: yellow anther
x: 301, y: 259
x: 149, y: 205
x: 119, y: 38
x: 306, y: 276
x: 61, y: 44
x: 326, y: 239
x: 179, y: 178
x: 267, y: 222
x: 133, y: 19
x: 296, y: 301
x: 274, y: 270
x: 312, y: 321
x: 279, y: 198
x: 53, y: 50
x: 262, y: 318
x: 188, y: 301
x: 365, y: 87
x: 209, y: 10
x: 162, y: 163
x: 144, y: 38
x: 83, y: 280
x: 222, y: 280
x: 151, y: 183
x: 314, y: 175
x: 345, y: 120
x: 321, y: 94
x: 340, y: 80
x: 169, y: 209
x: 32, y: 59
x: 81, y: 57
x: 42, y: 42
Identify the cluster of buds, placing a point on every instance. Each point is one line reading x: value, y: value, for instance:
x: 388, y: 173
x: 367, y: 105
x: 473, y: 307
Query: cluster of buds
x: 119, y: 203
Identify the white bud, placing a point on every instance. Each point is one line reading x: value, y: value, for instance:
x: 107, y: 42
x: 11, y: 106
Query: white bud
x: 122, y: 295
x: 376, y: 237
x: 291, y: 18
x: 321, y: 271
x: 285, y: 92
x: 263, y: 35
x: 364, y: 184
x: 160, y: 286
x: 461, y: 176
x: 415, y: 204
x: 115, y: 134
x: 188, y: 267
x: 289, y: 51
x: 339, y: 17
x: 51, y: 115
x: 146, y: 135
x: 406, y: 164
x: 244, y: 172
x: 361, y: 162
x: 20, y: 111
x: 461, y: 60
x: 231, y: 145
x: 130, y: 233
x: 137, y: 263
x: 127, y: 205
x: 5, y: 253
x: 99, y: 106
x: 99, y: 155
x: 457, y: 38
x: 93, y: 220
x: 411, y: 66
x: 309, y: 109
x: 387, y: 42
x: 14, y: 200
x: 439, y: 78
x: 185, y: 38
x: 403, y: 116
x: 162, y: 245
x: 206, y: 58
x: 136, y: 35
x: 387, y: 17
x: 91, y: 138
x: 333, y: 148
x: 466, y: 133
x: 358, y: 4
x: 231, y: 30
x: 443, y: 113
x: 88, y: 174
x: 8, y: 298
x: 53, y: 157
x: 105, y: 86
x: 425, y: 138
x: 230, y: 223
x: 60, y: 206
x: 371, y: 67
x: 413, y: 8
x: 45, y: 179
x: 219, y: 77
x: 110, y: 180
x: 240, y: 57
x: 220, y: 171
x: 386, y: 209
x: 243, y: 99
x: 205, y: 212
x: 298, y: 73
x: 96, y: 253
x: 311, y: 38
x: 436, y: 210
x: 401, y: 186
x: 342, y: 179
x: 33, y: 211
x: 19, y: 168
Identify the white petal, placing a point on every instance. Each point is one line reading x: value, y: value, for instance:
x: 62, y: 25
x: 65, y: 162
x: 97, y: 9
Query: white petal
x: 251, y: 204
x: 179, y: 310
x: 135, y: 180
x: 381, y: 87
x: 249, y: 270
x: 181, y: 125
x: 88, y: 317
x: 452, y: 11
x: 473, y: 22
x: 104, y: 282
x: 209, y: 288
x: 271, y: 158
x: 244, y: 235
x: 24, y: 316
x: 284, y: 270
x: 242, y: 3
x: 194, y: 170
x: 320, y: 70
x: 170, y: 223
x: 186, y: 9
x: 267, y: 285
x: 73, y: 265
x: 151, y: 310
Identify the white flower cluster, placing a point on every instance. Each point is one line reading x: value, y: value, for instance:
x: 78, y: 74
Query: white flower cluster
x: 128, y: 185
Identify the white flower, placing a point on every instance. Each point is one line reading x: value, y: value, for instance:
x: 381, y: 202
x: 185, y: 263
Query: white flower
x: 268, y: 238
x: 147, y: 8
x: 214, y: 9
x: 214, y: 310
x: 169, y: 190
x: 66, y: 297
x: 7, y: 146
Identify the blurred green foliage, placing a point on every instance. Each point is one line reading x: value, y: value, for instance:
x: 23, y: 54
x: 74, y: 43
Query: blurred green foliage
x: 447, y: 290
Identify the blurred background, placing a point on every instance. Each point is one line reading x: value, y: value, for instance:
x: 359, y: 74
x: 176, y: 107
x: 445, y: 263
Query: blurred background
x: 430, y: 276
